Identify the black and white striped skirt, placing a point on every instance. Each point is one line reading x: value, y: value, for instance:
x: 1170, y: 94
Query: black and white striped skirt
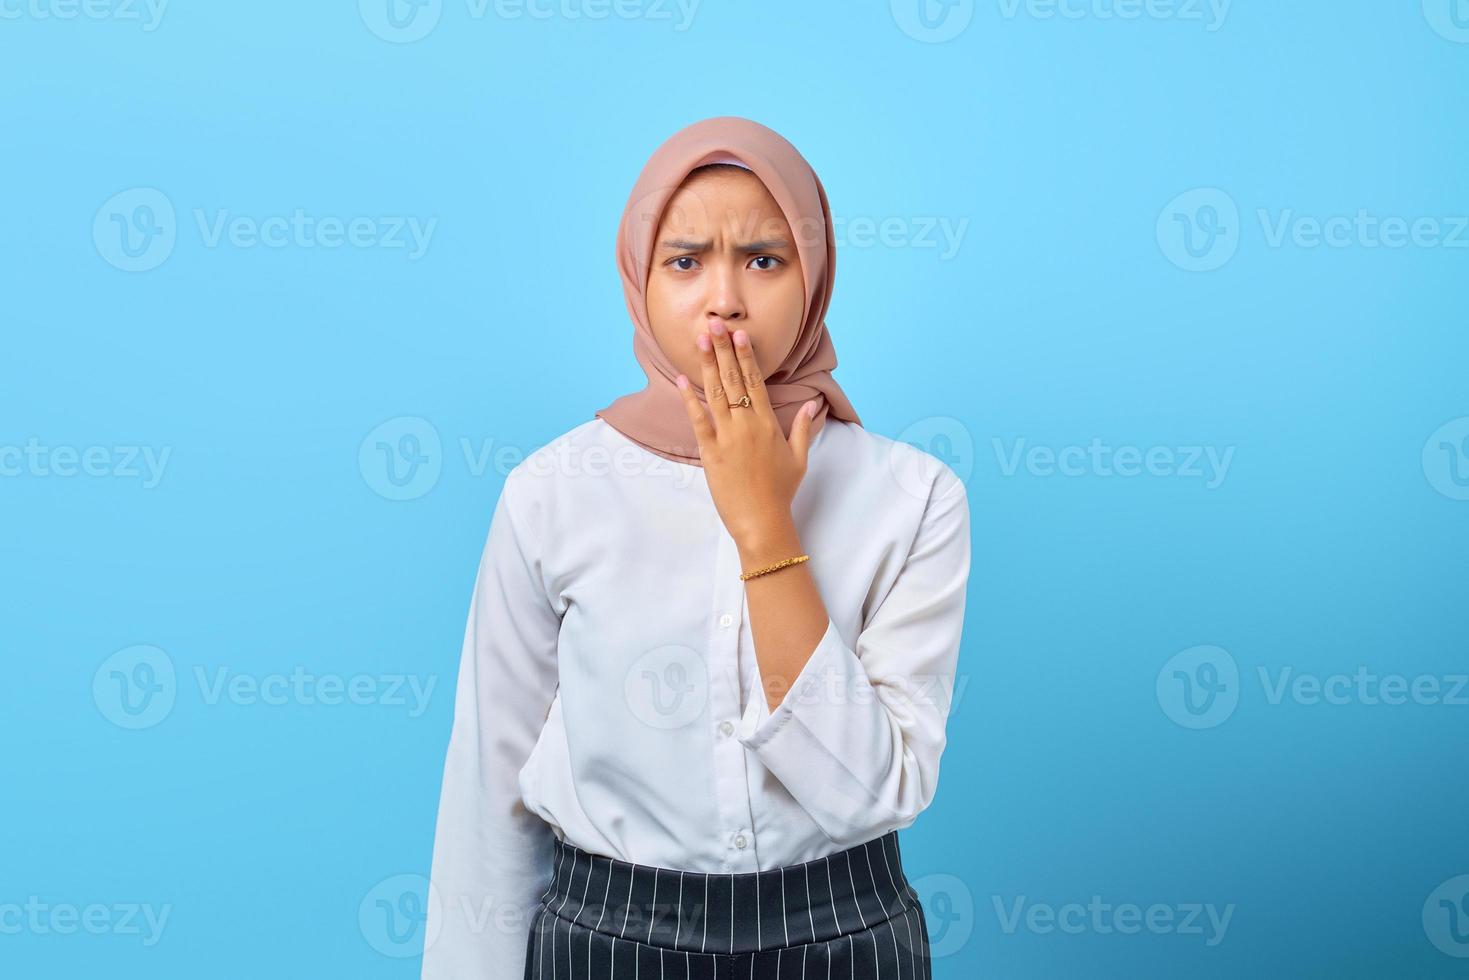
x: 849, y: 916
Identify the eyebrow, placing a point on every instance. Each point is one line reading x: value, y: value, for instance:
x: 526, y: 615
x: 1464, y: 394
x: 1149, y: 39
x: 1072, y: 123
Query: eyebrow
x: 684, y: 245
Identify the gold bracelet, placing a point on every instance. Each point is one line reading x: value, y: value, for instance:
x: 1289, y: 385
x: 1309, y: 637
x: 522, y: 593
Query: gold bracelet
x: 771, y: 568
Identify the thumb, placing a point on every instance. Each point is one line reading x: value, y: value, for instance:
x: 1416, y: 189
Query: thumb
x: 801, y: 432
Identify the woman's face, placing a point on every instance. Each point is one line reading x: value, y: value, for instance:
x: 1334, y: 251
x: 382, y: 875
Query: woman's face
x: 724, y: 251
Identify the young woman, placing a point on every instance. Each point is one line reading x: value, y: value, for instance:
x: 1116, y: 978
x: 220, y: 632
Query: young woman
x: 710, y: 647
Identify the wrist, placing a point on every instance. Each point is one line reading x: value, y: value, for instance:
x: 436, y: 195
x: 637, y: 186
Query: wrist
x: 771, y: 543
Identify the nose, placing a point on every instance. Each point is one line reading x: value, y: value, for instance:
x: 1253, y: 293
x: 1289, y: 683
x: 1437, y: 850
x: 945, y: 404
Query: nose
x: 725, y: 299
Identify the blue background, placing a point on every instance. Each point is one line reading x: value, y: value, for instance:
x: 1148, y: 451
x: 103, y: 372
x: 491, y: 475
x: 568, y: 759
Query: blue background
x: 1072, y: 311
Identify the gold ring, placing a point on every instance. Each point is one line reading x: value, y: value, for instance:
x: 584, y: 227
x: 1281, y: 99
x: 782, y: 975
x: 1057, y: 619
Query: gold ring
x: 744, y: 402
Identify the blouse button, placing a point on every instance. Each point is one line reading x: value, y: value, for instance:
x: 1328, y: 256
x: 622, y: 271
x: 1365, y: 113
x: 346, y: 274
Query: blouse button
x: 726, y: 727
x: 725, y: 620
x: 740, y: 841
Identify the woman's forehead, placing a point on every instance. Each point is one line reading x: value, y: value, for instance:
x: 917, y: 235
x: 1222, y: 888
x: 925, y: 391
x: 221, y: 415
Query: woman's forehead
x: 721, y: 202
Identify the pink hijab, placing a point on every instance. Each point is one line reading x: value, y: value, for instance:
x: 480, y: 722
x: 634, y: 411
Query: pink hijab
x: 655, y: 416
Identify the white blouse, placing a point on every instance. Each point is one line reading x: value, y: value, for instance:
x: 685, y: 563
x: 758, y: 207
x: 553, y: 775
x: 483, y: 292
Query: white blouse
x: 609, y: 691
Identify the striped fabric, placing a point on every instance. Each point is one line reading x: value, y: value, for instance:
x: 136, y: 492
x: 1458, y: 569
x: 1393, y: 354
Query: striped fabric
x: 849, y: 916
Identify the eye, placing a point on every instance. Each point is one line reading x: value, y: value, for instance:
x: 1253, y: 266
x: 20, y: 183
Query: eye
x: 681, y: 258
x: 768, y: 258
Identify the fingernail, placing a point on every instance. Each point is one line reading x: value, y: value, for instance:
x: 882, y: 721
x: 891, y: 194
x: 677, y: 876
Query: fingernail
x: 703, y: 341
x: 682, y: 381
x: 810, y: 410
x: 741, y: 338
x: 717, y: 328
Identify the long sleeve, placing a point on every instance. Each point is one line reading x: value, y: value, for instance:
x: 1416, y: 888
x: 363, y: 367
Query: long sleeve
x: 491, y: 856
x: 857, y: 738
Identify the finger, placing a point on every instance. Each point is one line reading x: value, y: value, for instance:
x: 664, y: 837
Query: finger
x: 714, y: 392
x: 729, y: 367
x: 801, y: 432
x: 703, y: 428
x: 750, y: 373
